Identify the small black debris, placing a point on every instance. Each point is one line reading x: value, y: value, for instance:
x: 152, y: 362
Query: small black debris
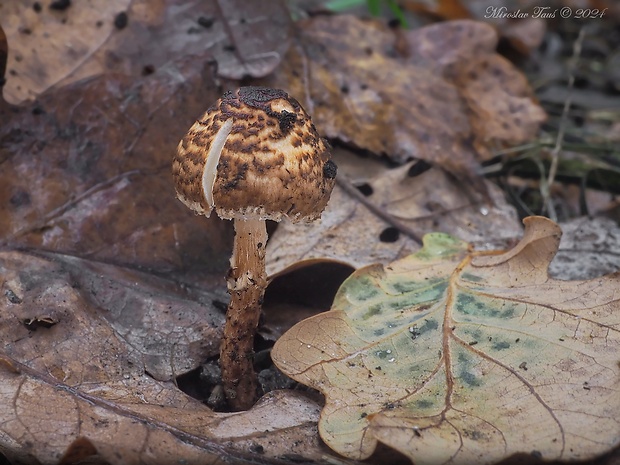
x: 206, y: 22
x: 121, y: 20
x: 13, y: 298
x: 60, y: 5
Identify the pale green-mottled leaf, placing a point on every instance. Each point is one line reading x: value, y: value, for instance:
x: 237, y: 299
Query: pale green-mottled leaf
x: 453, y: 356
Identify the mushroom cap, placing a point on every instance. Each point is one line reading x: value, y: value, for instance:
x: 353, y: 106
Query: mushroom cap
x: 254, y: 154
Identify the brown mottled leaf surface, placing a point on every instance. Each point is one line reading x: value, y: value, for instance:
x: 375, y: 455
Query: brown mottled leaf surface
x: 501, y: 106
x: 86, y: 171
x: 423, y: 200
x: 55, y: 47
x: 453, y: 356
x: 90, y: 353
x: 366, y: 86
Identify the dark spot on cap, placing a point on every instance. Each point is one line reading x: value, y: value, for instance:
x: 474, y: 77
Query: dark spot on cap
x: 36, y: 6
x: 259, y: 97
x: 286, y: 120
x: 330, y: 169
x: 239, y: 176
x: 296, y: 141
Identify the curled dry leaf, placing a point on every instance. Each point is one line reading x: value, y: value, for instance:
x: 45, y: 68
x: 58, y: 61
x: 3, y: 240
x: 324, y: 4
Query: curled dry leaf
x: 453, y: 356
x: 54, y: 48
x: 500, y: 102
x: 502, y: 108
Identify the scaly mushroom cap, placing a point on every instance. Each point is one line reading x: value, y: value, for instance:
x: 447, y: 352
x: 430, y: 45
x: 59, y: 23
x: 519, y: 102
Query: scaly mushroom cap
x: 254, y: 154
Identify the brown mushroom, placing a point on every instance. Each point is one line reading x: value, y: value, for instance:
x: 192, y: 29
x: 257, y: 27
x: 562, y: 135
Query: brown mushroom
x: 253, y: 156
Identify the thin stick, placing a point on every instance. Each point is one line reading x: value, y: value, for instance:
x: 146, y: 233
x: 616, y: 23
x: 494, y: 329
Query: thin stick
x: 555, y: 153
x: 247, y: 281
x: 350, y: 189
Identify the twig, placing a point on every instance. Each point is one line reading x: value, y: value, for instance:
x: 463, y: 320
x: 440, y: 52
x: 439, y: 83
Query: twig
x: 350, y: 189
x: 555, y: 153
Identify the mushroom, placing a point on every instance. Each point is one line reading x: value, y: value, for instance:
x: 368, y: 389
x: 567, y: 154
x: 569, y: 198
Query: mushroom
x: 253, y: 156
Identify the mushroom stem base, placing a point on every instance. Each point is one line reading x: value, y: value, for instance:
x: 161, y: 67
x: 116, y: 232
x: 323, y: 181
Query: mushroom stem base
x: 247, y: 281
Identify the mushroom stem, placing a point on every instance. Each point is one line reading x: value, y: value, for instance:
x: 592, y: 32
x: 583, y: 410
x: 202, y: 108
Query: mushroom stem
x: 247, y: 281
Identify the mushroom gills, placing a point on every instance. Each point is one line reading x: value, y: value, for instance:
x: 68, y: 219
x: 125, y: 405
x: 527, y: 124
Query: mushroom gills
x: 213, y: 158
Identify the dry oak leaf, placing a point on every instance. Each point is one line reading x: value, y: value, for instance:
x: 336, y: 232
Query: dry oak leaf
x: 46, y: 45
x: 350, y: 233
x: 453, y: 356
x: 347, y: 74
x: 502, y: 107
x: 86, y: 172
x: 361, y: 88
x: 49, y: 48
x: 102, y: 372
